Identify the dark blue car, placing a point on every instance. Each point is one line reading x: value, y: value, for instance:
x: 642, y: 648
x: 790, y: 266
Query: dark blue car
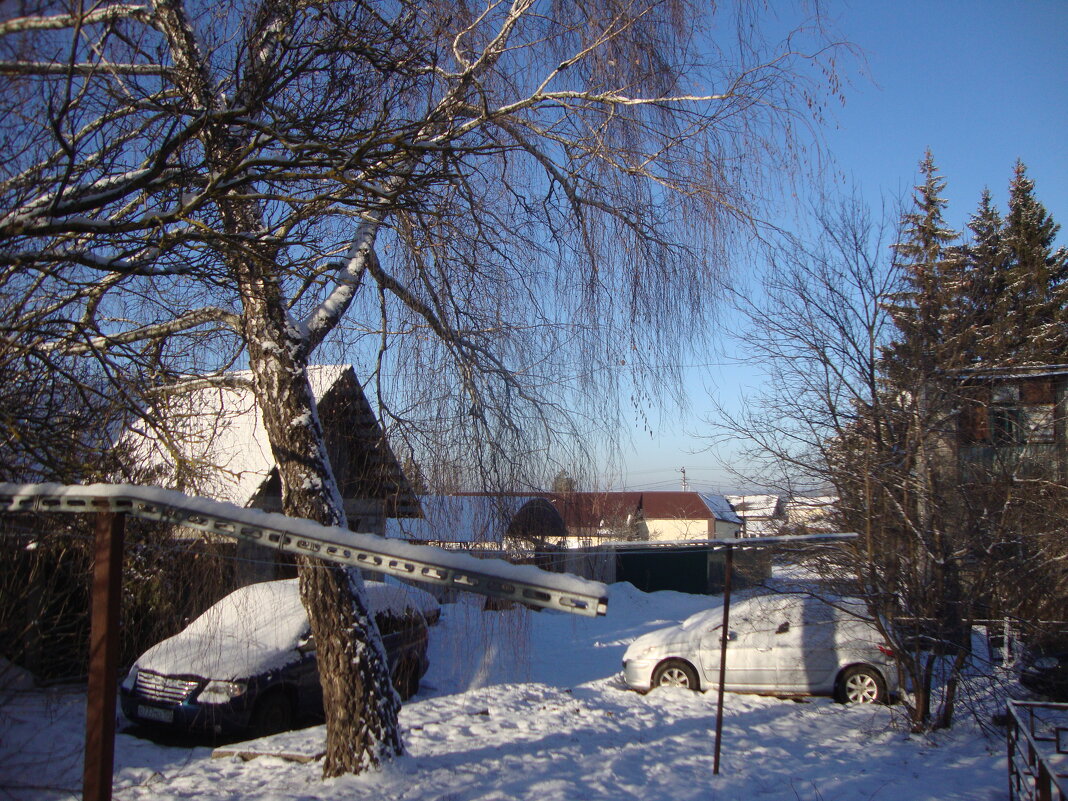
x: 248, y: 665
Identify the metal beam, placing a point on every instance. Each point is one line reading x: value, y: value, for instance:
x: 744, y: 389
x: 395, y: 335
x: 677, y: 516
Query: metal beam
x: 423, y: 563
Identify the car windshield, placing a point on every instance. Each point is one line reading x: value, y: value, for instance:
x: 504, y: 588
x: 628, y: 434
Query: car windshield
x: 269, y: 614
x: 710, y: 618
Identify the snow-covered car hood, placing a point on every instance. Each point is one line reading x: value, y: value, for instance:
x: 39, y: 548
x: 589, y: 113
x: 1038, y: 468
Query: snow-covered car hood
x: 250, y: 631
x: 671, y: 637
x: 221, y: 658
x: 257, y: 629
x: 675, y: 636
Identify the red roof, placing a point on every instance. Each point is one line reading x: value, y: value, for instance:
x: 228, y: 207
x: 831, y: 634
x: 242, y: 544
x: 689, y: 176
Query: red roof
x: 589, y: 510
x: 675, y: 506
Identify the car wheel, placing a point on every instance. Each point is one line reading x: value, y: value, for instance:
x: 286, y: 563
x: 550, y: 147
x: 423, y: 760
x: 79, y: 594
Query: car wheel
x: 675, y: 673
x: 274, y: 713
x: 861, y: 685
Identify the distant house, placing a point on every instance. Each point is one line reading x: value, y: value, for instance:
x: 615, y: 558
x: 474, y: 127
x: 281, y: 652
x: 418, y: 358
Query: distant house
x: 525, y: 529
x: 592, y: 518
x: 216, y: 446
x: 688, y: 517
x: 1012, y: 422
x: 762, y: 515
x: 474, y: 522
x: 659, y: 540
x: 810, y: 515
x: 598, y: 517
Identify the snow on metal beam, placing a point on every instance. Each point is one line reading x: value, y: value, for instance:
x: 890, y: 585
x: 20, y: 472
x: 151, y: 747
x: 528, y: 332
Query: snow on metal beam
x: 425, y: 563
x: 733, y: 542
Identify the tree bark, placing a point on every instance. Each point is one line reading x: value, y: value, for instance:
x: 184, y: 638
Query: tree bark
x: 358, y: 697
x: 361, y: 705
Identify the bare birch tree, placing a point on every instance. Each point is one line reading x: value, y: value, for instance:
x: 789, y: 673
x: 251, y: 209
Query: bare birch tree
x: 509, y: 195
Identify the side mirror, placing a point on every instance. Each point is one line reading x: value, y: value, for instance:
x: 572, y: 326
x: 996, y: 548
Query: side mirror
x: 306, y: 645
x: 783, y: 627
x: 732, y: 636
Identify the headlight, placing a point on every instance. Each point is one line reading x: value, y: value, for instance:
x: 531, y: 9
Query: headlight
x: 219, y: 692
x: 131, y: 679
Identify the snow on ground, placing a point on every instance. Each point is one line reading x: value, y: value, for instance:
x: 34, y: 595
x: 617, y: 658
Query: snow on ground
x: 526, y: 705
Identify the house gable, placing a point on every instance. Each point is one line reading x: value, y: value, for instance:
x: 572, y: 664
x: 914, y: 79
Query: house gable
x: 218, y: 447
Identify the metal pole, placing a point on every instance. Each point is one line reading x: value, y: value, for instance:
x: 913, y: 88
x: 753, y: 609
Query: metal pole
x: 103, y: 657
x: 728, y: 569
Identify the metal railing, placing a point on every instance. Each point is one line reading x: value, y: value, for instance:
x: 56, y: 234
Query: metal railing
x: 1037, y: 738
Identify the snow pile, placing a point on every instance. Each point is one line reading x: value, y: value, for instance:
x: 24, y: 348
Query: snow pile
x: 527, y: 705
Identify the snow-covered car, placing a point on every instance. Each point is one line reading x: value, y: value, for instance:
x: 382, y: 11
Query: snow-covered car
x: 776, y: 644
x: 248, y: 664
x: 1044, y: 670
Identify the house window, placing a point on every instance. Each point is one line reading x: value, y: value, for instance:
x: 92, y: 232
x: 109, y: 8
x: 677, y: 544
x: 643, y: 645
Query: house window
x: 1038, y: 423
x: 1006, y: 425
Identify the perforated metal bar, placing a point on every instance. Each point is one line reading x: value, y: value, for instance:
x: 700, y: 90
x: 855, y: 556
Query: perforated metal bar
x: 422, y: 563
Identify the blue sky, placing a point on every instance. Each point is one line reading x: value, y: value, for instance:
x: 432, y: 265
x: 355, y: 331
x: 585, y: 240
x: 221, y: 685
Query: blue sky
x: 981, y: 84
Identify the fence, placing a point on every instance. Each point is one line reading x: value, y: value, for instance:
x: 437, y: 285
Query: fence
x: 1037, y: 735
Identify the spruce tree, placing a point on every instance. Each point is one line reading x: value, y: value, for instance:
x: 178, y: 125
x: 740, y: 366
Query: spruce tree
x: 986, y: 263
x: 1036, y: 291
x: 930, y: 312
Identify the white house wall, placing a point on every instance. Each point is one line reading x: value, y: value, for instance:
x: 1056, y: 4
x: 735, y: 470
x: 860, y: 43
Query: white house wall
x: 678, y: 530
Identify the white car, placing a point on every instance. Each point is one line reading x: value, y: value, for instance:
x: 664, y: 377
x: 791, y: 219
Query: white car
x: 777, y: 644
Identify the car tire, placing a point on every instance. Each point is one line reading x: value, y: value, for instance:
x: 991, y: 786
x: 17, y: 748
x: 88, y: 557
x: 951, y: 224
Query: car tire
x: 675, y: 673
x: 274, y: 713
x: 861, y: 684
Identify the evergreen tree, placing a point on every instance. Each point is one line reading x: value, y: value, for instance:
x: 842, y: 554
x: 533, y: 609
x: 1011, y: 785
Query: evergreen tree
x: 564, y: 482
x: 1036, y: 294
x: 931, y: 311
x: 986, y: 264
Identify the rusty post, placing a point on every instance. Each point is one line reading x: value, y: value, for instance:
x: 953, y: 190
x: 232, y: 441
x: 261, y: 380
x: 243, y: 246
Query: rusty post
x: 103, y: 657
x: 728, y: 568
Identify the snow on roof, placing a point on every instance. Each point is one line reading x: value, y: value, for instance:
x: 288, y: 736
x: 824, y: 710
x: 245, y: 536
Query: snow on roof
x: 750, y: 506
x: 459, y: 518
x: 721, y: 507
x: 812, y: 507
x: 218, y: 438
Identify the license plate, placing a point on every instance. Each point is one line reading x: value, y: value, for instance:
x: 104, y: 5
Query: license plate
x: 155, y: 713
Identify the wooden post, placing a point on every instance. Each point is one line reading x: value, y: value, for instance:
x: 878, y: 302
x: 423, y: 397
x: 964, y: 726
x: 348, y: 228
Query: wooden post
x: 727, y: 570
x: 105, y: 600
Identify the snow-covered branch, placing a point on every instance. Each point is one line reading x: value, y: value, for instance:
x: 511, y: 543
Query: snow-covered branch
x: 180, y: 323
x: 95, y: 16
x: 89, y: 68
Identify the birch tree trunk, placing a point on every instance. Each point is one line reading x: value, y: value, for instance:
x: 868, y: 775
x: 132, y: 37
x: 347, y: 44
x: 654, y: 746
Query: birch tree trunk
x: 358, y: 698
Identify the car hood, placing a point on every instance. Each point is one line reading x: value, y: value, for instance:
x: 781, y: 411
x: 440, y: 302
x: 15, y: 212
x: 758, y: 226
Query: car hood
x: 251, y: 631
x: 661, y: 639
x: 257, y: 629
x: 673, y: 637
x: 216, y: 657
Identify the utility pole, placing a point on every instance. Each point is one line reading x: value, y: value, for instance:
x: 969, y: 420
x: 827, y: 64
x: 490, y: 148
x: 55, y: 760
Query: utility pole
x: 685, y: 483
